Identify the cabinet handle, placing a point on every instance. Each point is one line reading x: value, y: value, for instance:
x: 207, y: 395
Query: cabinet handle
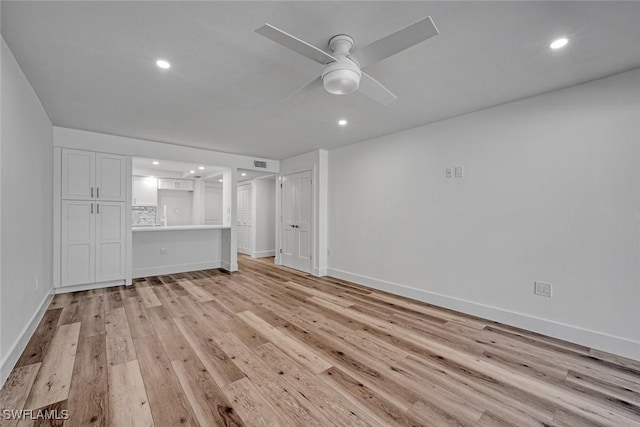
x: 97, y: 208
x: 92, y: 192
x: 97, y: 192
x: 91, y: 207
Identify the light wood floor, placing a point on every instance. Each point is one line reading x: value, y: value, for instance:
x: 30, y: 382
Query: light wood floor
x: 271, y: 346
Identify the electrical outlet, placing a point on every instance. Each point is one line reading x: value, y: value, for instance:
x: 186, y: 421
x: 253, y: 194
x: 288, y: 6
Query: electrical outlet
x: 163, y: 251
x: 542, y: 289
x: 459, y: 171
x: 448, y: 172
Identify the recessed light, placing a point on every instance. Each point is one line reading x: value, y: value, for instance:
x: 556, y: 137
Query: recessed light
x: 201, y: 168
x: 163, y: 64
x: 220, y: 180
x: 156, y: 163
x: 559, y: 43
x: 243, y: 174
x: 192, y: 171
x: 342, y: 122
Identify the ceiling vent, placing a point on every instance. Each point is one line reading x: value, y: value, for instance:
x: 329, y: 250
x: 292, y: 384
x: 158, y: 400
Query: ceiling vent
x: 259, y: 164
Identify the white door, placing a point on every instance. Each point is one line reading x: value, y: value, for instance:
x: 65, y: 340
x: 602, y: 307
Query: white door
x: 296, y: 227
x: 244, y: 219
x: 110, y: 242
x: 78, y: 242
x: 110, y: 177
x: 78, y: 174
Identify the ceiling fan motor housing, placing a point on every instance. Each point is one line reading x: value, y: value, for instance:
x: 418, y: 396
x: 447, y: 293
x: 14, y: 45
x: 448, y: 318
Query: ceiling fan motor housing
x: 342, y: 76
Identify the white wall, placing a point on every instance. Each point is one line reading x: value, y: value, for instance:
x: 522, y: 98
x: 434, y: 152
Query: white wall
x: 26, y: 278
x: 179, y: 207
x: 317, y: 162
x: 264, y: 204
x: 551, y: 192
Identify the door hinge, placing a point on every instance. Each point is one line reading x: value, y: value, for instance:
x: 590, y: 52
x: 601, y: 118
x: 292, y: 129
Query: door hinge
x: 280, y: 185
x: 280, y: 250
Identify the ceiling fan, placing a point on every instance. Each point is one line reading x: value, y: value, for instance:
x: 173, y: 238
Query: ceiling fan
x: 342, y: 73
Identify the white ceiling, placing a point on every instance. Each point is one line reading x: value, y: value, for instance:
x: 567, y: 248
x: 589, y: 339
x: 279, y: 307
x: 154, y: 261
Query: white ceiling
x: 92, y: 65
x: 171, y: 168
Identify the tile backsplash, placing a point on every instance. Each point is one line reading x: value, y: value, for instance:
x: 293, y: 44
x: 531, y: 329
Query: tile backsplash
x: 143, y: 215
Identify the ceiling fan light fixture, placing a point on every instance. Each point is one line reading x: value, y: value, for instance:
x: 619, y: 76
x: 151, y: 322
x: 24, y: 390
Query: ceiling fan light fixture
x: 341, y: 77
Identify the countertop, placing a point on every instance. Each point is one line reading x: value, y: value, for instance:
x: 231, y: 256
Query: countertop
x: 179, y: 227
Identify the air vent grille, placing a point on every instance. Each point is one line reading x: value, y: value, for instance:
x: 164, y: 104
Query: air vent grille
x: 259, y: 164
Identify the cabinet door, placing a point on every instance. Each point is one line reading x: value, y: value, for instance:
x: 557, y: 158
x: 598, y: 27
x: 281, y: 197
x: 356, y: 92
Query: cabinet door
x: 110, y: 177
x: 110, y: 242
x: 145, y: 191
x: 166, y: 184
x: 78, y: 242
x: 184, y: 184
x: 78, y: 174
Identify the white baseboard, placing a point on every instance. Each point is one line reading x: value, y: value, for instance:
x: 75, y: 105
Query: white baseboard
x: 319, y: 272
x: 12, y: 356
x: 589, y: 338
x: 263, y: 254
x: 176, y: 268
x: 229, y: 267
x: 88, y: 287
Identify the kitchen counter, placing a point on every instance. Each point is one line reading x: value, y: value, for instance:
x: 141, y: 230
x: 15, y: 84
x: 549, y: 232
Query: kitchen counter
x: 159, y: 250
x: 178, y: 227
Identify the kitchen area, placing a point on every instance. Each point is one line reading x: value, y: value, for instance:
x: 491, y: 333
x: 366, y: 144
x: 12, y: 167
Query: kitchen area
x: 177, y: 217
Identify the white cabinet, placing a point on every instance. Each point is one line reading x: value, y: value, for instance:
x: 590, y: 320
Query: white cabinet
x: 145, y: 191
x: 92, y: 220
x: 93, y: 243
x: 175, y: 184
x: 78, y: 242
x: 93, y: 176
x: 110, y: 241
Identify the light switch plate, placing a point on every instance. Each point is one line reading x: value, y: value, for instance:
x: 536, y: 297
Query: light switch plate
x: 448, y: 172
x: 459, y: 171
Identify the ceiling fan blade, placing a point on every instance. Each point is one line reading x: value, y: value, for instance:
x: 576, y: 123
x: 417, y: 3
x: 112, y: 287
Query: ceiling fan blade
x: 295, y: 44
x: 374, y: 90
x: 396, y: 42
x: 317, y: 82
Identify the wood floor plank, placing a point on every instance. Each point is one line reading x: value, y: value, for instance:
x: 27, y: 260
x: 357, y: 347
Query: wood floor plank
x: 293, y: 348
x: 87, y: 401
x: 73, y: 309
x: 290, y: 405
x: 198, y: 292
x: 148, y: 297
x: 175, y: 345
x: 58, y: 301
x: 337, y: 409
x: 128, y: 403
x: 93, y: 317
x: 119, y: 342
x: 113, y: 298
x: 15, y: 391
x: 210, y: 405
x: 37, y: 346
x: 252, y: 408
x: 54, y: 377
x: 139, y: 323
x: 202, y: 339
x: 168, y: 404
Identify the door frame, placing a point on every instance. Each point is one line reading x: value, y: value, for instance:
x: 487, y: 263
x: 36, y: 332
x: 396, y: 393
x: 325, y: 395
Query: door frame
x: 313, y: 226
